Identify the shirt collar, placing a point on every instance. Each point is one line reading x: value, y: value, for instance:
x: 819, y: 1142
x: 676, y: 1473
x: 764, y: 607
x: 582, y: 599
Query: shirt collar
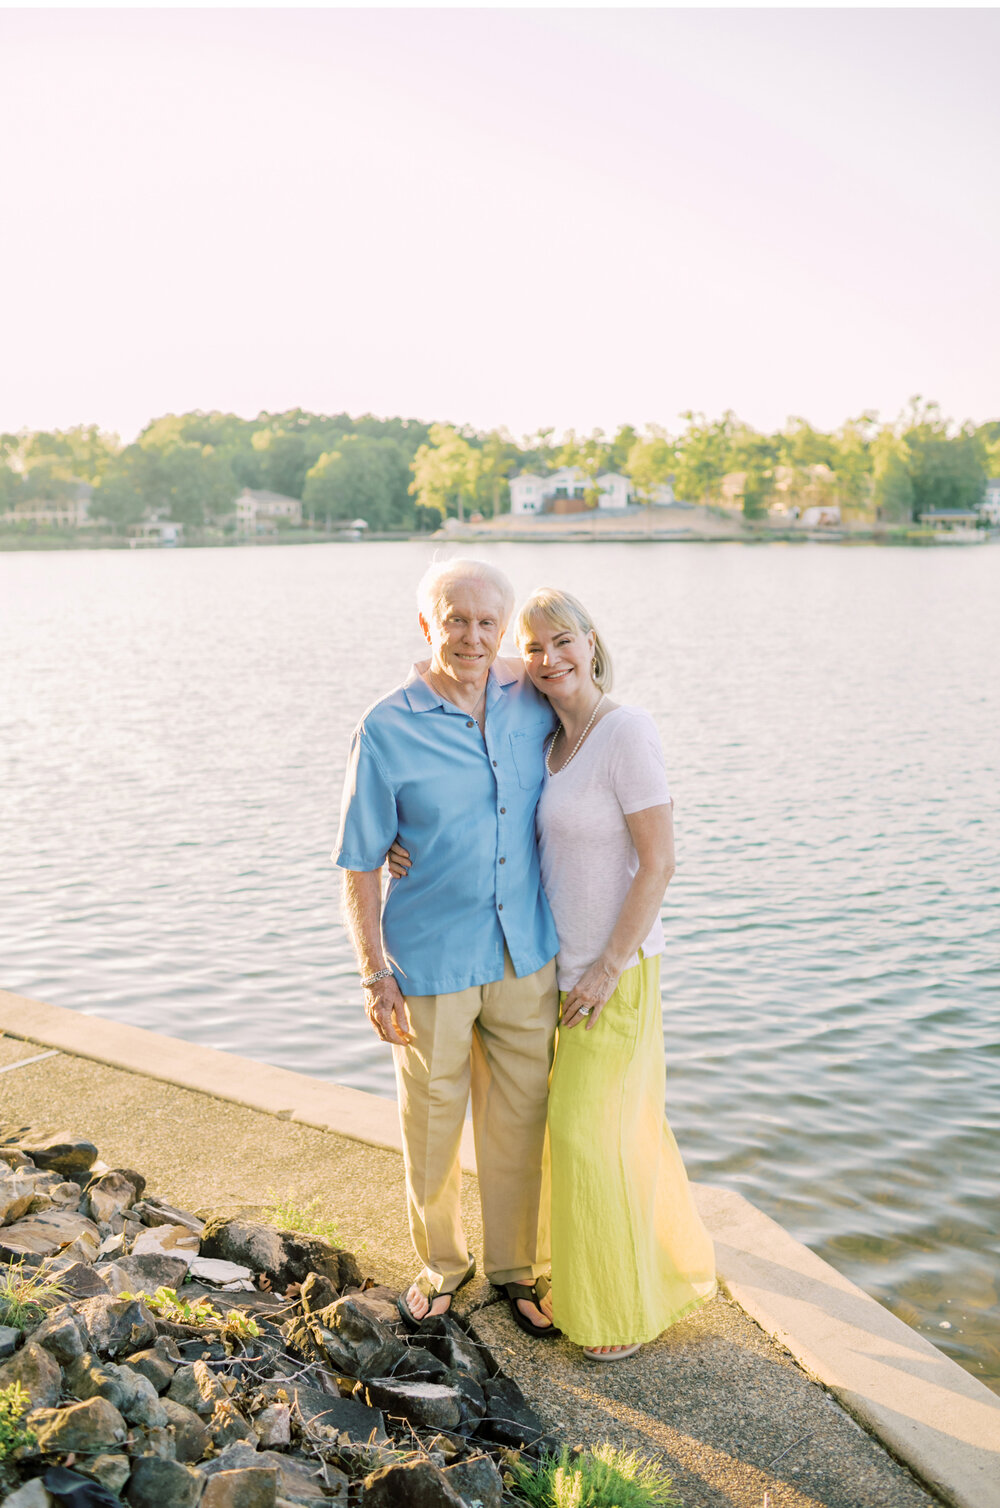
x: 423, y: 698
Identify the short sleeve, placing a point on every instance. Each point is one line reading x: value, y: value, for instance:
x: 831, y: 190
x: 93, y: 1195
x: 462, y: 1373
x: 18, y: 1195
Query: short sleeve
x: 637, y: 769
x: 368, y: 822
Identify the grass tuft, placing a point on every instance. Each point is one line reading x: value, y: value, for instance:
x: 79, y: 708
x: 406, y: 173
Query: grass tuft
x: 200, y: 1312
x: 304, y: 1218
x: 25, y: 1298
x: 602, y: 1477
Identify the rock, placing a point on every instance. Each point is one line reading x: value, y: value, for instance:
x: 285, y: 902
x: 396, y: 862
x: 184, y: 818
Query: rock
x: 317, y: 1292
x: 145, y: 1272
x: 317, y: 1411
x: 473, y: 1399
x: 158, y: 1363
x: 191, y: 1437
x: 422, y: 1365
x: 175, y: 1240
x: 9, y: 1338
x: 65, y: 1196
x: 38, y: 1373
x: 61, y: 1151
x: 378, y: 1303
x: 158, y: 1441
x: 258, y: 1247
x: 198, y: 1388
x: 112, y: 1471
x: 63, y: 1333
x: 227, y: 1426
x: 285, y: 1256
x: 409, y: 1484
x: 156, y: 1483
x: 451, y: 1345
x: 354, y: 1342
x: 229, y: 1459
x: 113, y: 1193
x: 115, y: 1325
x: 16, y: 1196
x: 13, y: 1156
x: 272, y: 1425
x: 221, y: 1274
x: 509, y: 1419
x: 31, y: 1495
x: 133, y: 1395
x: 80, y: 1281
x: 88, y: 1427
x: 476, y: 1480
x: 157, y: 1212
x: 49, y: 1232
x: 301, y: 1481
x: 430, y: 1404
x: 246, y: 1487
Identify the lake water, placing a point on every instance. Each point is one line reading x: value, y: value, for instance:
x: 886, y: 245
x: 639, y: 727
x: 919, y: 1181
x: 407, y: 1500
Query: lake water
x: 173, y: 732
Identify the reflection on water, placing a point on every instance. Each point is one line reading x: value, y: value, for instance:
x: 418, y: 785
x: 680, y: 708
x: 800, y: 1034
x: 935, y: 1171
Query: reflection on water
x: 173, y: 729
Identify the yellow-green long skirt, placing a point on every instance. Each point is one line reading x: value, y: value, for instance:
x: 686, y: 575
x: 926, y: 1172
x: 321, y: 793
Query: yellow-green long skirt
x: 630, y: 1254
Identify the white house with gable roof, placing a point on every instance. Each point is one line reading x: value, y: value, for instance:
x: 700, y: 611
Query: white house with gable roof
x: 532, y: 493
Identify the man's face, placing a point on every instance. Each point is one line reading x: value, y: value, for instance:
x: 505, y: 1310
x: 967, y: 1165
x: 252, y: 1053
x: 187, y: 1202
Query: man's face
x: 466, y: 631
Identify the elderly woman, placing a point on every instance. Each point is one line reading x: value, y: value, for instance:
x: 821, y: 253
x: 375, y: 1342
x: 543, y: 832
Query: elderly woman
x: 629, y: 1252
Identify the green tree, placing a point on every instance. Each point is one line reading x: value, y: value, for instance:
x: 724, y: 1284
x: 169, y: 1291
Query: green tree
x: 364, y: 478
x: 497, y: 457
x: 892, y: 490
x: 704, y: 455
x: 756, y: 456
x: 590, y: 454
x: 445, y: 471
x: 651, y: 461
x: 621, y: 445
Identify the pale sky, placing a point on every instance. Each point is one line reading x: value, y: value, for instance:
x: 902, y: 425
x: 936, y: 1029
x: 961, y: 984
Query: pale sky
x: 522, y: 217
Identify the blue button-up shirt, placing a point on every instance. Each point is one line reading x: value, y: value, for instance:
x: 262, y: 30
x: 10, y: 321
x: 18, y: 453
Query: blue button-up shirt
x: 465, y: 809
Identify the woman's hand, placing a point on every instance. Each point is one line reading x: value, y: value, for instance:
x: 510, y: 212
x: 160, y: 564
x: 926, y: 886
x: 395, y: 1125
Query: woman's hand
x: 591, y: 993
x: 398, y: 861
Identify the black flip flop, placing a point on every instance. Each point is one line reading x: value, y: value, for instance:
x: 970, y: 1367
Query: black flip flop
x: 534, y: 1295
x: 431, y: 1293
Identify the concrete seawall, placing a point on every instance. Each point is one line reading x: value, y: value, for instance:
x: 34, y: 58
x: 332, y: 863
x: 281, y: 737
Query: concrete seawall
x: 118, y: 1082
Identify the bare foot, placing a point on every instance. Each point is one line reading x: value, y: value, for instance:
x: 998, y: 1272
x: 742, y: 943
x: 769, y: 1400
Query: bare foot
x: 541, y: 1316
x: 416, y: 1302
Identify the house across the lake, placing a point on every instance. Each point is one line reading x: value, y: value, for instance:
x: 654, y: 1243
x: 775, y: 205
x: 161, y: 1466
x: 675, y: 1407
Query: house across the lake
x: 564, y: 491
x: 991, y: 501
x: 71, y: 511
x: 260, y: 512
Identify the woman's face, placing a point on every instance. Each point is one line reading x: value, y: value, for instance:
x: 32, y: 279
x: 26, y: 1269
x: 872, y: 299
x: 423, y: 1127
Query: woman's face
x: 558, y: 660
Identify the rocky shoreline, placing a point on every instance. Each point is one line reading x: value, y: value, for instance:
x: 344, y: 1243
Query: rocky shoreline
x: 171, y: 1362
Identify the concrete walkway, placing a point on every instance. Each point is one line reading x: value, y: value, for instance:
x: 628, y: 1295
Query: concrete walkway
x: 731, y: 1412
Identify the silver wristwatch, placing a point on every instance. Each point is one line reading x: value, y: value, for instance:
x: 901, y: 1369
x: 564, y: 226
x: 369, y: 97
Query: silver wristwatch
x: 371, y: 979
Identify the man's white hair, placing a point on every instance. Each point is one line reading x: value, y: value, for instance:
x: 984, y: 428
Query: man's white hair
x: 442, y: 575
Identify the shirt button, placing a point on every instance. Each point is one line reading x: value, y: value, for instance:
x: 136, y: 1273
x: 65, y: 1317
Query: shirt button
x: 500, y: 907
x: 503, y: 811
x: 494, y: 764
x: 503, y: 861
x: 469, y: 723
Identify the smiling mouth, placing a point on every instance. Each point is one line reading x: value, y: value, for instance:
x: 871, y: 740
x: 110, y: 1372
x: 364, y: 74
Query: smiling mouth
x: 555, y: 675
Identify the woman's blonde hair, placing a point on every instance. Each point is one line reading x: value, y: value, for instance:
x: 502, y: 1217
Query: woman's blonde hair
x: 560, y: 610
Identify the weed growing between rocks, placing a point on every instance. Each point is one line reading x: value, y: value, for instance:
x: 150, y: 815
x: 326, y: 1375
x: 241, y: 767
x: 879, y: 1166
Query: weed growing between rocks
x: 14, y: 1405
x: 236, y: 1325
x: 25, y: 1297
x: 602, y: 1477
x: 286, y: 1214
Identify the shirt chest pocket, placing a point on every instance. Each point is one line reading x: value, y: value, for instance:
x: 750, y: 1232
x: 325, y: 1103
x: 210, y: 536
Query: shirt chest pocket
x: 527, y: 754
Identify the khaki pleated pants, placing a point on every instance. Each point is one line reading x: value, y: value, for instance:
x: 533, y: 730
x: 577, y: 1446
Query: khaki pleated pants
x: 496, y: 1039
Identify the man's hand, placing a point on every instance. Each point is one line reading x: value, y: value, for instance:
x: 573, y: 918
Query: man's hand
x: 591, y: 993
x: 386, y: 1010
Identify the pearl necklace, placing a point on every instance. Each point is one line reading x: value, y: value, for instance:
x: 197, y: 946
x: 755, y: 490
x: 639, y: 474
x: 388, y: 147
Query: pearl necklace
x: 576, y: 746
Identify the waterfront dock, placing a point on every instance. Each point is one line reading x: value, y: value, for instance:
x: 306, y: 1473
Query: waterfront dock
x: 794, y: 1389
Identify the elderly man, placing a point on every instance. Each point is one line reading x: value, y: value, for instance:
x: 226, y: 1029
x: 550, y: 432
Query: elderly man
x: 457, y: 967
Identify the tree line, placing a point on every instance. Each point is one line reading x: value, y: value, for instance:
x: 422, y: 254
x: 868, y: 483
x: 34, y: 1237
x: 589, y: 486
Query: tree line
x: 402, y: 473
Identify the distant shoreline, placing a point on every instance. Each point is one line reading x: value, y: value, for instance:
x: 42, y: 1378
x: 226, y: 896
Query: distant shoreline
x: 506, y: 531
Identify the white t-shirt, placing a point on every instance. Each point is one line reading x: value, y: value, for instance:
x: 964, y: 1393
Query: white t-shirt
x: 588, y: 857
